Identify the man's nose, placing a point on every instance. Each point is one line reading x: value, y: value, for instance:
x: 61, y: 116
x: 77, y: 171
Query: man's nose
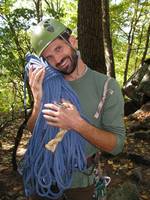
x: 58, y: 58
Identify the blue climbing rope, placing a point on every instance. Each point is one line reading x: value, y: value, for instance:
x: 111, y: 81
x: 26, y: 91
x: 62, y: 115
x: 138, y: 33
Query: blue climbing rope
x: 45, y: 173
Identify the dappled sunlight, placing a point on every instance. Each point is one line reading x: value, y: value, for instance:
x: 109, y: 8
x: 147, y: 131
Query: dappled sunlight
x: 6, y: 146
x: 21, y: 151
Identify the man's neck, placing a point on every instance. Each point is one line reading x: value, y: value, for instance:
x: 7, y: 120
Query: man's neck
x: 79, y: 71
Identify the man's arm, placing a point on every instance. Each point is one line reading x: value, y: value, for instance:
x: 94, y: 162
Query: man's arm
x: 33, y: 117
x: 102, y: 139
x: 70, y: 118
x: 35, y: 81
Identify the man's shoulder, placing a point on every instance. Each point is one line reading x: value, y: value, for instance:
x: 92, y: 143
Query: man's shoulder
x: 98, y: 75
x: 102, y: 78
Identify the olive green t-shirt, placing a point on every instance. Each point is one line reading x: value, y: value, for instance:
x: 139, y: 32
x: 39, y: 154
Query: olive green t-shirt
x: 89, y: 90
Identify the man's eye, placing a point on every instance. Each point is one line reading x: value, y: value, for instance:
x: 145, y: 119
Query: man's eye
x: 48, y: 58
x: 58, y: 48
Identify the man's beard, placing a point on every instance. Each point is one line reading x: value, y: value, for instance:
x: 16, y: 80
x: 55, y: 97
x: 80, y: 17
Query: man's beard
x: 73, y: 63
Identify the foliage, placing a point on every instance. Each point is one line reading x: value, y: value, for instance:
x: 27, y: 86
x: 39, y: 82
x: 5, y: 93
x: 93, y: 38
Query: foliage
x: 10, y: 96
x: 13, y: 47
x: 123, y: 16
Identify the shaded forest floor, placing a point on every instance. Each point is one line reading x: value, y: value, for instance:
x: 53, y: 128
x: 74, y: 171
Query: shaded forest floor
x: 133, y: 165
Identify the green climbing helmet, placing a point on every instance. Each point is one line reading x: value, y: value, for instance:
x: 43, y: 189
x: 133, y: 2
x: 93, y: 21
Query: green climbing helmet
x: 44, y: 33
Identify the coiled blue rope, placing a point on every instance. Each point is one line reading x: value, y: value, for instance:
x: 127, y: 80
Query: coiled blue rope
x: 45, y: 173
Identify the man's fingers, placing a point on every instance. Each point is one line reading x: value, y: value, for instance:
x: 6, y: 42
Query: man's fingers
x: 52, y: 106
x: 65, y: 101
x: 33, y: 70
x: 50, y: 112
x: 30, y: 71
x: 68, y: 105
x: 37, y: 76
x: 42, y: 75
x: 50, y: 118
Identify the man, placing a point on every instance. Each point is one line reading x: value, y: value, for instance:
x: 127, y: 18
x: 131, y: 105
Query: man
x: 105, y: 129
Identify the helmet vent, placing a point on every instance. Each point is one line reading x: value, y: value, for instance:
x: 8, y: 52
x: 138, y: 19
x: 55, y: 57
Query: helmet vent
x: 50, y: 28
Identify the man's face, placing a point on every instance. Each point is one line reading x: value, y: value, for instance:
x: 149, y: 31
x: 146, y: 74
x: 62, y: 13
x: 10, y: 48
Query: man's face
x: 61, y: 56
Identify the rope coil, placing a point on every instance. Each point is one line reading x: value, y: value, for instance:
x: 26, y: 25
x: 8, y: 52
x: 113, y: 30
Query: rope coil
x: 48, y: 173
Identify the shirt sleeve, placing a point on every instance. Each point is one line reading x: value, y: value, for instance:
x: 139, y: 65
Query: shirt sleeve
x: 113, y: 115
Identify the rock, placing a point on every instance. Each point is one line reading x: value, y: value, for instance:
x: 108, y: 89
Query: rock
x: 126, y: 191
x: 139, y: 159
x: 136, y: 175
x: 130, y: 107
x: 146, y: 107
x: 143, y: 135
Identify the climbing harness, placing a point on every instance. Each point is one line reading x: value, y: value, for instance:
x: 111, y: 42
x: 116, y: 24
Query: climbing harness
x: 100, y: 182
x: 48, y: 173
x: 101, y: 187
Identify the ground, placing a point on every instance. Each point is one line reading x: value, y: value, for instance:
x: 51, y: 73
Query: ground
x: 130, y: 166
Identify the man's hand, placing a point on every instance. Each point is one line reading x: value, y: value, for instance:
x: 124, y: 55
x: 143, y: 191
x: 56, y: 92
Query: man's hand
x: 36, y: 77
x: 63, y: 116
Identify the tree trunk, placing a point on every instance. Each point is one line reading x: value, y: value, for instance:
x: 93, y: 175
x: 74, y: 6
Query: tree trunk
x: 134, y: 22
x: 107, y: 39
x: 146, y: 45
x: 127, y: 62
x: 138, y: 47
x: 90, y: 34
x: 38, y: 8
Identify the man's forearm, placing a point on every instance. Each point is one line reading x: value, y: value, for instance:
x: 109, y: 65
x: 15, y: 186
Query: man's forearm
x: 102, y: 139
x: 33, y: 117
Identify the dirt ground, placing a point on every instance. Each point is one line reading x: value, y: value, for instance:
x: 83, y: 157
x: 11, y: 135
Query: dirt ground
x: 131, y: 165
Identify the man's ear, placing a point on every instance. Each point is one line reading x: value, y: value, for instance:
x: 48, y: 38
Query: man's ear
x: 73, y: 41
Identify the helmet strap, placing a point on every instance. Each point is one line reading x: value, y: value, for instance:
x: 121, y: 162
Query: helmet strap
x: 68, y: 43
x: 77, y: 51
